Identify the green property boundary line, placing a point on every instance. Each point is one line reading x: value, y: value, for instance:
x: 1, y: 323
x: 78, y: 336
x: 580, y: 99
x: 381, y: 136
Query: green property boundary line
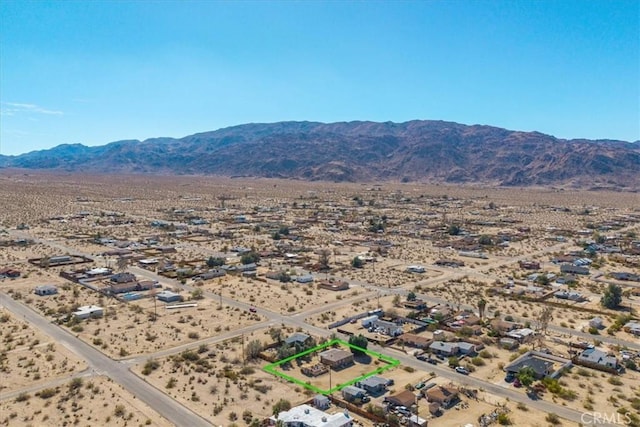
x: 272, y: 368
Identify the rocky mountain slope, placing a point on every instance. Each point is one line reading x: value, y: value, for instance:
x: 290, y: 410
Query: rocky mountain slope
x: 429, y: 151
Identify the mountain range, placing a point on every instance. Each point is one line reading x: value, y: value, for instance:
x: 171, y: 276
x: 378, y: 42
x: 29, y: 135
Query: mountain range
x: 420, y: 150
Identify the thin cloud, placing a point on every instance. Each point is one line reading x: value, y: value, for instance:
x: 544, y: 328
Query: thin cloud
x: 15, y: 108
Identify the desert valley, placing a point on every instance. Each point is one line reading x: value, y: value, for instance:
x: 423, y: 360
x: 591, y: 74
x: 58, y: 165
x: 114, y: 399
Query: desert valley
x: 188, y: 300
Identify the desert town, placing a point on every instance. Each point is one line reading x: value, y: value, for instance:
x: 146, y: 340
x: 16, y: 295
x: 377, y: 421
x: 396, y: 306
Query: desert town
x: 138, y: 300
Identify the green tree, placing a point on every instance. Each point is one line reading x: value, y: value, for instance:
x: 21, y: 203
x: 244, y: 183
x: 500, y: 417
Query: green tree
x: 411, y: 296
x: 454, y: 361
x: 284, y: 230
x: 358, y: 341
x: 215, y: 262
x: 485, y: 240
x: 250, y: 257
x: 197, y: 294
x: 254, y: 348
x: 281, y: 405
x: 357, y: 262
x: 396, y: 300
x: 526, y: 376
x: 453, y: 230
x: 612, y: 296
x: 275, y: 334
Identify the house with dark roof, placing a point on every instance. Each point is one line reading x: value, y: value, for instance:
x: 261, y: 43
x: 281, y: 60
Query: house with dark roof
x: 543, y: 364
x: 541, y: 368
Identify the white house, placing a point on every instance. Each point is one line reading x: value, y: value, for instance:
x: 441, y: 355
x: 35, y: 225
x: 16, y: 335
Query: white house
x: 416, y: 269
x: 308, y: 416
x: 88, y: 311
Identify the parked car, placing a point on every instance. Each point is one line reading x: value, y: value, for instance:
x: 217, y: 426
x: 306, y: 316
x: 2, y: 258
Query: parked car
x: 253, y: 309
x: 510, y: 377
x: 462, y: 370
x: 516, y: 383
x: 433, y: 361
x: 403, y: 410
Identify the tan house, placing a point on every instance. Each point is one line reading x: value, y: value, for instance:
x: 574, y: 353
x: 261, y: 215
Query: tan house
x: 445, y: 395
x: 336, y: 358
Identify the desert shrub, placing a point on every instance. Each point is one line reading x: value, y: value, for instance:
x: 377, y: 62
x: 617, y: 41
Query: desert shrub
x: 553, y: 419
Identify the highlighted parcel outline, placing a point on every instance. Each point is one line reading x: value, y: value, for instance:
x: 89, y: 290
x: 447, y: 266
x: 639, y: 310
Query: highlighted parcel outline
x: 273, y: 368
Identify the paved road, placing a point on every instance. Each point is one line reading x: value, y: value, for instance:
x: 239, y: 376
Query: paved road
x: 496, y: 389
x: 180, y: 415
x: 118, y: 372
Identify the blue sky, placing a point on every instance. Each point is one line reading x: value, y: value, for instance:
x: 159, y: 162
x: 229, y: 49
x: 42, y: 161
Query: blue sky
x: 93, y: 72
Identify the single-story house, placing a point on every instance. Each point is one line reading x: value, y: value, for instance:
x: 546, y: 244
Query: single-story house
x: 598, y: 357
x: 416, y: 304
x: 445, y: 395
x: 168, y: 296
x: 467, y: 348
x: 123, y: 278
x: 508, y: 343
x: 415, y: 269
x: 574, y: 269
x: 88, y: 311
x: 387, y: 328
x: 45, y: 290
x: 444, y: 348
x: 334, y: 285
x: 503, y: 326
x: 449, y: 263
x: 336, y: 358
x: 522, y: 335
x: 305, y: 278
x: 404, y: 398
x: 417, y: 341
x: 374, y: 384
x: 632, y: 328
x: 308, y: 416
x: 351, y: 393
x: 570, y: 295
x: 529, y: 265
x: 9, y: 272
x: 541, y: 368
x: 211, y: 274
x: 321, y: 402
x: 59, y: 259
x: 298, y: 338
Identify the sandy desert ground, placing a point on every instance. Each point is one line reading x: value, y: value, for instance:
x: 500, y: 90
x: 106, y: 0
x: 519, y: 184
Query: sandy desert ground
x: 197, y: 349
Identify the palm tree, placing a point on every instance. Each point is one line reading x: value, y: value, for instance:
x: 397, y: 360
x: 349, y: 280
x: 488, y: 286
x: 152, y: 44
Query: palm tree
x: 482, y: 304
